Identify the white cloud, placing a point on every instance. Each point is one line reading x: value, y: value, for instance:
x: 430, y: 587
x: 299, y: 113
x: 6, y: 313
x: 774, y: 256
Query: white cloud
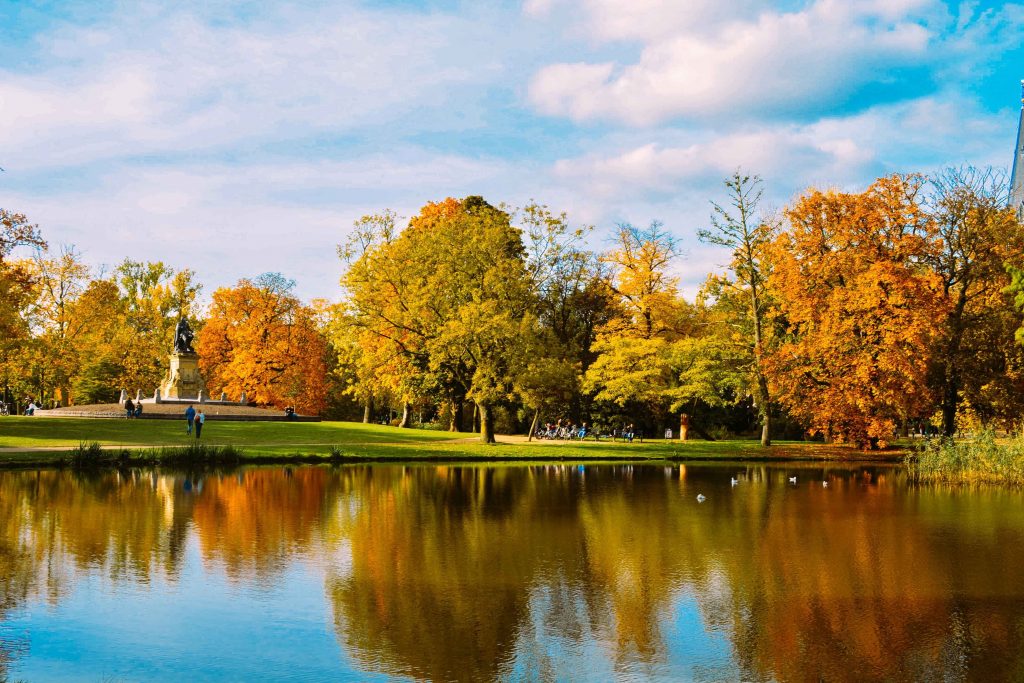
x: 748, y: 65
x: 646, y: 20
x: 845, y: 151
x: 171, y: 83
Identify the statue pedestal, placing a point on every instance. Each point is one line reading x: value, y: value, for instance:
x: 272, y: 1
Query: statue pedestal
x: 183, y: 380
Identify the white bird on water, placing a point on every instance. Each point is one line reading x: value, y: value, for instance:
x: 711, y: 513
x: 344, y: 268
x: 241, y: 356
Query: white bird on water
x: 824, y: 484
x: 734, y: 481
x: 701, y: 498
x: 792, y: 480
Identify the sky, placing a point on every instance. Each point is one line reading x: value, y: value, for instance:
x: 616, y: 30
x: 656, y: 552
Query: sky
x: 239, y: 137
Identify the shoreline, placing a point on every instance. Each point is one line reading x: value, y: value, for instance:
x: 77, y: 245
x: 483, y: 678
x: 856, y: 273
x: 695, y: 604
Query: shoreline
x: 115, y: 457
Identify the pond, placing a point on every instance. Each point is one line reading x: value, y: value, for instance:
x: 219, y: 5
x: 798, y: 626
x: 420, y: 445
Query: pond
x: 480, y: 573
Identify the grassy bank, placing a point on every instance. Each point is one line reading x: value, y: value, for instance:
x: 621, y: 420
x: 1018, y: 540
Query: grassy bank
x: 38, y: 442
x: 981, y: 460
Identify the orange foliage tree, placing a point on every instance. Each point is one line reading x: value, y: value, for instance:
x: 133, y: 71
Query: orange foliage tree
x: 858, y: 310
x: 261, y: 340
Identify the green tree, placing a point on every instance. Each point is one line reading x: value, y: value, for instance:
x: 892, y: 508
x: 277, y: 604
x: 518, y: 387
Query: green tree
x: 445, y: 307
x: 739, y: 228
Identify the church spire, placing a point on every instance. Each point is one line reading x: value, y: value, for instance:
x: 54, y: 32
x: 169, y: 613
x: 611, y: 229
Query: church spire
x: 1017, y: 179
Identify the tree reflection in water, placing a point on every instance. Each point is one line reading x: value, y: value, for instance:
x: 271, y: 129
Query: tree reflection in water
x: 554, y: 572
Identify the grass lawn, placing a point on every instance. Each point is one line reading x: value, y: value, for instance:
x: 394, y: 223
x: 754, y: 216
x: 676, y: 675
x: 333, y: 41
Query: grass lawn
x: 24, y: 440
x: 31, y: 432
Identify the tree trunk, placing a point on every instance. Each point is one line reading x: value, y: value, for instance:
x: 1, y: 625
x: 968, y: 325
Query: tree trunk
x: 766, y: 431
x: 486, y: 424
x: 406, y: 416
x: 455, y: 424
x: 951, y: 367
x: 765, y: 409
x: 949, y: 401
x: 476, y: 418
x: 368, y: 410
x: 533, y: 425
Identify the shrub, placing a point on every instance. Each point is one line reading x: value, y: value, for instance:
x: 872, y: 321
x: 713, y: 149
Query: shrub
x: 94, y: 455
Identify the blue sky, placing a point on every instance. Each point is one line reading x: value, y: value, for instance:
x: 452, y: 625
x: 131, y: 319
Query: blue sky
x: 242, y: 137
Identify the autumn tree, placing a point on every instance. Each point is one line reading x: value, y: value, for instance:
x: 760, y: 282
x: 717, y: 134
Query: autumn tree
x: 742, y: 294
x: 58, y: 323
x: 858, y: 310
x: 101, y: 369
x: 648, y: 293
x: 974, y: 357
x: 15, y: 293
x: 259, y: 339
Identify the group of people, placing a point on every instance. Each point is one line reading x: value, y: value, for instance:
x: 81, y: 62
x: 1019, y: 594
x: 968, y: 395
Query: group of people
x: 627, y: 433
x: 558, y: 430
x: 569, y: 430
x: 132, y: 409
x: 194, y: 419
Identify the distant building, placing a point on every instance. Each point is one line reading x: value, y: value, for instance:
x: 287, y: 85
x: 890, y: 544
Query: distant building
x: 1017, y: 179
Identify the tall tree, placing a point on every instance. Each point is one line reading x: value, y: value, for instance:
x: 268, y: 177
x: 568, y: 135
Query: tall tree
x: 573, y: 285
x: 859, y: 308
x: 59, y: 324
x: 381, y: 285
x: 739, y: 228
x: 978, y: 235
x: 634, y: 349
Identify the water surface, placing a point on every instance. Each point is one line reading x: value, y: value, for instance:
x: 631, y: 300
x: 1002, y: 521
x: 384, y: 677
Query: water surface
x: 485, y: 573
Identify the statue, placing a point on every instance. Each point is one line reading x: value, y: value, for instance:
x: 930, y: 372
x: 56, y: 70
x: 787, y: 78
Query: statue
x: 183, y: 338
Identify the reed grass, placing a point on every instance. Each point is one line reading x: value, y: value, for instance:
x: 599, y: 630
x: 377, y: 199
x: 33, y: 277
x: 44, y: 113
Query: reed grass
x: 979, y: 460
x: 90, y: 455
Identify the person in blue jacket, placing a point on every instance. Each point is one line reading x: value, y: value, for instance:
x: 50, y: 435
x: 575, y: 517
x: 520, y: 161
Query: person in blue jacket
x: 190, y: 415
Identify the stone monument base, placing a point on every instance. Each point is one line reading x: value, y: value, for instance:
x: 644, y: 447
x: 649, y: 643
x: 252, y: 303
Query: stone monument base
x: 183, y: 380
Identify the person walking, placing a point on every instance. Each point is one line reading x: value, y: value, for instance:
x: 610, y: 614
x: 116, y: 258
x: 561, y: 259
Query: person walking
x: 190, y: 415
x: 199, y: 420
